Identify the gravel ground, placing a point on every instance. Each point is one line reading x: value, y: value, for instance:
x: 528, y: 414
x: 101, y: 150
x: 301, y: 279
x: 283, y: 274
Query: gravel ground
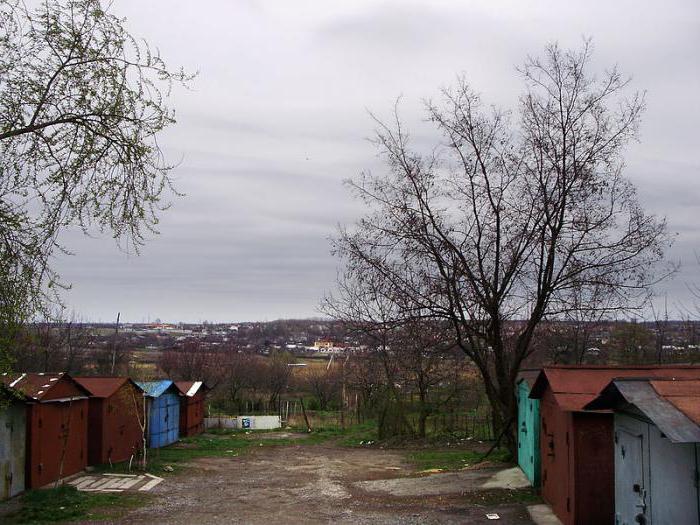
x: 319, y: 484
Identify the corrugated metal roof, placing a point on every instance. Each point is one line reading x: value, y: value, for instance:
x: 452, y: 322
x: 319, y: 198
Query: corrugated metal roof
x: 102, y: 386
x: 32, y: 386
x: 575, y: 386
x: 683, y: 394
x: 676, y: 412
x: 189, y: 388
x: 155, y: 388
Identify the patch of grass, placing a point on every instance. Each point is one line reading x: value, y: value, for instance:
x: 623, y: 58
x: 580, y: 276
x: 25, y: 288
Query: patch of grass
x: 453, y: 459
x: 229, y: 444
x: 66, y: 503
x: 211, y: 444
x: 352, y: 436
x: 359, y: 435
x: 232, y: 443
x: 526, y: 496
x: 222, y: 443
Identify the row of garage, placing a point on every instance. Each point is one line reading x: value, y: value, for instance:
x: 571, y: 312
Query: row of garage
x: 613, y: 445
x: 54, y: 425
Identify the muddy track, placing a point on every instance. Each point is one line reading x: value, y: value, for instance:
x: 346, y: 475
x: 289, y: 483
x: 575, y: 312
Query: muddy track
x: 313, y: 484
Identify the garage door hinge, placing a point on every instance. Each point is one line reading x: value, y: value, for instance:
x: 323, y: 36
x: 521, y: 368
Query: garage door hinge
x: 617, y: 438
x: 697, y: 478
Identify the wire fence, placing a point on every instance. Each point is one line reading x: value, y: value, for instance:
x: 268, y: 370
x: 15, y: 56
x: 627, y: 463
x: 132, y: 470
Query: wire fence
x: 392, y: 418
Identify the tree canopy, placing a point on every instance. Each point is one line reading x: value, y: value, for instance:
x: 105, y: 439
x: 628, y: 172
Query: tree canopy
x: 82, y: 102
x: 513, y: 218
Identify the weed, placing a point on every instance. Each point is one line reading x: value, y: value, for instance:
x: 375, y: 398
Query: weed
x: 66, y: 503
x: 452, y: 459
x: 526, y: 496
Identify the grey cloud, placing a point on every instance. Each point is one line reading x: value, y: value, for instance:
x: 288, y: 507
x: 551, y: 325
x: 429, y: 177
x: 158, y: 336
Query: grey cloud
x: 278, y: 118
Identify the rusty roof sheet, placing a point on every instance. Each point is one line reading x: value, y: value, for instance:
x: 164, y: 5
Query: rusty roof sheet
x: 189, y: 388
x: 103, y: 386
x: 675, y: 412
x: 586, y: 382
x: 683, y: 394
x: 32, y: 386
x: 572, y: 402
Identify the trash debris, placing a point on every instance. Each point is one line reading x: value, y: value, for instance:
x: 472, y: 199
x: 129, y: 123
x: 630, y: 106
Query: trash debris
x: 112, y: 482
x: 493, y: 517
x: 168, y: 468
x: 154, y: 481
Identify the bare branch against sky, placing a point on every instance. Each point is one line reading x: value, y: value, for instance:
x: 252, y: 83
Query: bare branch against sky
x: 278, y: 118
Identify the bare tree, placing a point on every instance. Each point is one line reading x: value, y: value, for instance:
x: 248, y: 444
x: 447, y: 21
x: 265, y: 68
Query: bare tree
x: 507, y: 219
x: 427, y: 366
x: 52, y: 344
x: 193, y: 362
x: 363, y: 376
x: 277, y: 375
x: 632, y: 343
x: 237, y: 374
x: 661, y: 329
x: 324, y: 383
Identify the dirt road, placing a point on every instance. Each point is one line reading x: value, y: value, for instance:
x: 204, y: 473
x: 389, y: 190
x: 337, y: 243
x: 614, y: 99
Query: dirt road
x: 323, y: 484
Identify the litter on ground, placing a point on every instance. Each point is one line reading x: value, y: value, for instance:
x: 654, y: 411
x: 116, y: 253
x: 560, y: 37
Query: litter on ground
x: 115, y: 482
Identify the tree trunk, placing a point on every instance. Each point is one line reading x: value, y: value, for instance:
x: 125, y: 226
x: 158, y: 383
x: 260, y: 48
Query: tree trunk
x: 503, y: 417
x: 500, y: 391
x: 423, y: 414
x: 422, y: 420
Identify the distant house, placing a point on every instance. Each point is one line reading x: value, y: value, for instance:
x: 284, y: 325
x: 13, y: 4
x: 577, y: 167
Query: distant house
x: 193, y: 394
x: 56, y: 425
x: 657, y: 449
x: 163, y: 408
x: 115, y: 416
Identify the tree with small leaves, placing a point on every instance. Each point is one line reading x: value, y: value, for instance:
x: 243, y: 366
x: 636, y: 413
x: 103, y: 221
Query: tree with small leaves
x: 82, y: 103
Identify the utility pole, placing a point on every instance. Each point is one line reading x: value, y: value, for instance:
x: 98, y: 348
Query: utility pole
x: 114, y: 344
x: 343, y: 395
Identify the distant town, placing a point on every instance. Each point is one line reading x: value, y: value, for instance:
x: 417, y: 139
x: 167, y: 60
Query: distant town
x: 566, y: 342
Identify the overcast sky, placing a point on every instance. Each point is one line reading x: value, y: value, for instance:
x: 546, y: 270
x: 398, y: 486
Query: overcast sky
x: 277, y: 118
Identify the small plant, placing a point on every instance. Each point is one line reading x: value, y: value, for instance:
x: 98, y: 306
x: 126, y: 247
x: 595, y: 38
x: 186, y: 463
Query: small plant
x: 66, y: 503
x: 453, y: 459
